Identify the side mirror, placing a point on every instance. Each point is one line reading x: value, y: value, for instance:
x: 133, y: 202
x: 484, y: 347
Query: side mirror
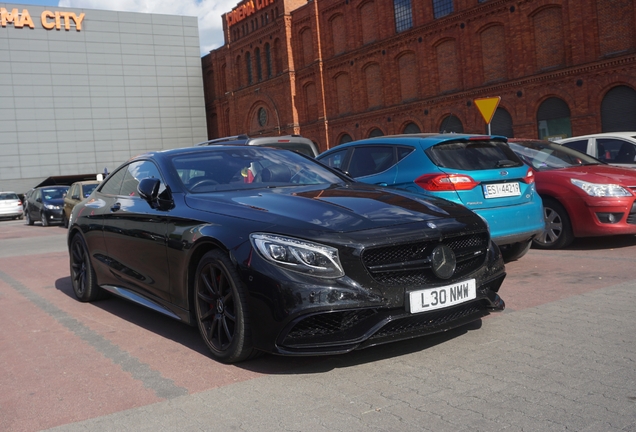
x: 148, y: 190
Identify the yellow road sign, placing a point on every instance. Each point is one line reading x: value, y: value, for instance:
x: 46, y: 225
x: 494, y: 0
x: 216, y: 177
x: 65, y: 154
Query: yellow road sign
x: 487, y: 107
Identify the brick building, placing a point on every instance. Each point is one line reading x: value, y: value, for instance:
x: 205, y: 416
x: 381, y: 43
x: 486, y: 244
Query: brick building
x: 337, y: 70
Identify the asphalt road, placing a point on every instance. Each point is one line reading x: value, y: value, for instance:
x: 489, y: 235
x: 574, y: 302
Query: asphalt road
x: 562, y: 357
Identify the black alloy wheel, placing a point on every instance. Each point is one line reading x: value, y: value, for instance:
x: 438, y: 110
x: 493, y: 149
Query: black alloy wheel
x: 558, y: 228
x: 83, y: 276
x: 43, y: 219
x: 220, y: 308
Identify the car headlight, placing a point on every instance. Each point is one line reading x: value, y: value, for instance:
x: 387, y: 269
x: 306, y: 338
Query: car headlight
x: 52, y: 207
x: 601, y: 190
x: 299, y: 255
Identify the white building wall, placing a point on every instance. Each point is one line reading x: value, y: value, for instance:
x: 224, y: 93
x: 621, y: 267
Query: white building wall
x: 76, y: 102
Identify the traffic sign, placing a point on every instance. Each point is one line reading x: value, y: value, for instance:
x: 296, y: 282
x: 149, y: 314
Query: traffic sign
x: 487, y: 107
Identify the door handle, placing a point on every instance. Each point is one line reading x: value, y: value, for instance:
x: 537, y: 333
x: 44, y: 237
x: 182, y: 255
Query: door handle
x: 115, y: 207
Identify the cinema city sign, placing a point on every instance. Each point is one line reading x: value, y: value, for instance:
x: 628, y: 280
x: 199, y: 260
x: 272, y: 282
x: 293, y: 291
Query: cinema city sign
x: 245, y: 9
x: 49, y: 20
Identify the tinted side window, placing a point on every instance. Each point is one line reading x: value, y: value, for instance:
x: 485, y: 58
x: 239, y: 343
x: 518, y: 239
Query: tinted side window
x: 580, y: 145
x: 73, y: 191
x: 112, y: 184
x: 402, y: 152
x: 371, y: 160
x: 473, y: 155
x: 615, y: 150
x: 135, y: 172
x: 336, y: 159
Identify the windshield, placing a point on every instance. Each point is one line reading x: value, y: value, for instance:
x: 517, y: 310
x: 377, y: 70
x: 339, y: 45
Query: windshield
x: 226, y: 169
x: 53, y: 193
x: 88, y: 189
x: 543, y: 155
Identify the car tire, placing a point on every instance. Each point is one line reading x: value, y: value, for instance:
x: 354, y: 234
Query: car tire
x: 44, y: 220
x: 83, y: 276
x: 514, y: 251
x: 64, y: 220
x: 29, y: 221
x: 19, y: 217
x: 558, y: 228
x: 221, y: 309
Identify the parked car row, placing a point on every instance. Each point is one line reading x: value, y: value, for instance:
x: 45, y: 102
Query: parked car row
x: 378, y: 240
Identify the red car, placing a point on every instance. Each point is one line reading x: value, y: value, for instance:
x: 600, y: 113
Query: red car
x: 582, y: 196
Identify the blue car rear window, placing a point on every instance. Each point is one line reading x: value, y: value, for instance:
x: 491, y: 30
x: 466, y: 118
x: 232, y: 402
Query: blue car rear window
x: 473, y: 155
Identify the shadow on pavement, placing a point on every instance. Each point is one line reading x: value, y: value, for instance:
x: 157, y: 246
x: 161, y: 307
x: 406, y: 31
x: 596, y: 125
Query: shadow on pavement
x: 189, y: 337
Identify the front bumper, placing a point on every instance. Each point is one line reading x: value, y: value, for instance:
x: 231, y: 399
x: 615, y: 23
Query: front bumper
x: 590, y: 218
x: 295, y: 315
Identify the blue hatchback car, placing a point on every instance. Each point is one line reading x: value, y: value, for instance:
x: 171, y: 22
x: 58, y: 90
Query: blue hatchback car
x: 480, y: 172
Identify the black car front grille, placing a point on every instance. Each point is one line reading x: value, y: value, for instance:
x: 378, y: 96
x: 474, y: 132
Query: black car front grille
x: 353, y: 328
x: 409, y: 264
x: 631, y: 217
x: 328, y: 324
x: 427, y: 322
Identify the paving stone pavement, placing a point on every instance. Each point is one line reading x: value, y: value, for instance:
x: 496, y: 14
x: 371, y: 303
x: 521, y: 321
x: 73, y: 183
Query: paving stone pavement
x: 568, y: 365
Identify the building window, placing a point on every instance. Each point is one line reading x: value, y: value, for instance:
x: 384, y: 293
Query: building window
x: 345, y: 139
x: 442, y: 8
x: 618, y: 110
x: 268, y: 60
x: 376, y: 133
x: 403, y: 15
x: 553, y: 119
x: 411, y: 128
x: 248, y: 62
x: 501, y: 123
x: 259, y: 69
x: 451, y: 123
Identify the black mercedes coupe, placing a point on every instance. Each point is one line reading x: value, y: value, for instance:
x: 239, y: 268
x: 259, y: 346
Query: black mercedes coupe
x: 267, y: 250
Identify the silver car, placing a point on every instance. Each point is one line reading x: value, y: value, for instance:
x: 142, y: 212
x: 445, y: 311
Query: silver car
x: 10, y: 205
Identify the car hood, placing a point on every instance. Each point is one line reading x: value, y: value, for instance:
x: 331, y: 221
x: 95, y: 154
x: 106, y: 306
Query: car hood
x: 603, y: 174
x: 337, y: 208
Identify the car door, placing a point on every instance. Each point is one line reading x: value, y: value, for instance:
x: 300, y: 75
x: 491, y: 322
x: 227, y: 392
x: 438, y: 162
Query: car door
x: 135, y: 234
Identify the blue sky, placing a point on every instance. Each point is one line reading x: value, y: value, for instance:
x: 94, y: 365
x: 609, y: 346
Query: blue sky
x: 207, y: 11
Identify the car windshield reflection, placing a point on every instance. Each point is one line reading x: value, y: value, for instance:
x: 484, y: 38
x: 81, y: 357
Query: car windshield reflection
x: 234, y: 169
x: 544, y: 156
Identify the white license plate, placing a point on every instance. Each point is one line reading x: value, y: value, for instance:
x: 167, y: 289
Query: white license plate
x: 499, y: 190
x: 441, y: 297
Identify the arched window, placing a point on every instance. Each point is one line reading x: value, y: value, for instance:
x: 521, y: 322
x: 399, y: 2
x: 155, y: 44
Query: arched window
x: 238, y: 66
x: 493, y: 51
x: 618, y: 110
x: 369, y: 22
x: 259, y: 69
x: 248, y: 63
x: 408, y: 73
x: 268, y: 60
x: 451, y: 123
x: 553, y: 119
x: 411, y: 128
x: 376, y: 133
x: 373, y: 79
x: 501, y: 123
x: 343, y: 93
x: 345, y: 138
x: 548, y: 38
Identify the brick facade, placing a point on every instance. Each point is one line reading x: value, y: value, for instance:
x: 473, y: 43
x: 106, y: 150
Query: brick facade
x: 339, y: 68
